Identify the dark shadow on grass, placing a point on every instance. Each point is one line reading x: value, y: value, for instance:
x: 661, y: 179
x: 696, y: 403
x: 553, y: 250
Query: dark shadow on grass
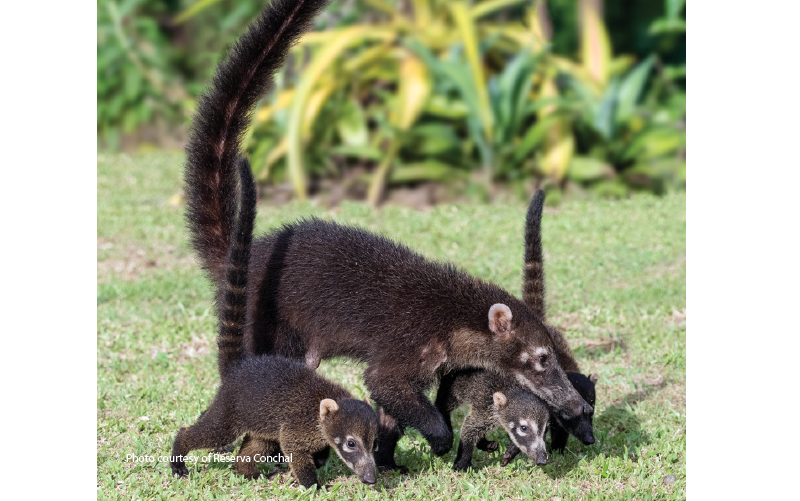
x: 614, y: 429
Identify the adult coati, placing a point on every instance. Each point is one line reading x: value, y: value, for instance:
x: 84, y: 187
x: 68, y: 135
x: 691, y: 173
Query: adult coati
x: 282, y: 405
x: 494, y: 400
x: 534, y: 296
x: 318, y: 290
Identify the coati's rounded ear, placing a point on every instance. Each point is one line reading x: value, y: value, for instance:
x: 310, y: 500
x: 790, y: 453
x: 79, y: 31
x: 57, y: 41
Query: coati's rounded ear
x: 500, y: 319
x: 499, y: 400
x: 593, y: 378
x: 326, y: 407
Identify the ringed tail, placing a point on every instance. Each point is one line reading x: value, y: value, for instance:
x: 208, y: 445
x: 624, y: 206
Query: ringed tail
x: 223, y: 114
x: 232, y: 300
x: 533, y: 278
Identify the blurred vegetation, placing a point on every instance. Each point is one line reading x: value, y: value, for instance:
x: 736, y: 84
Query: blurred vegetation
x: 582, y: 94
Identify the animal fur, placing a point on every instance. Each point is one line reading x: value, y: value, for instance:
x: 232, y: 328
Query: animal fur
x: 280, y: 404
x: 534, y: 296
x: 317, y: 290
x: 494, y: 400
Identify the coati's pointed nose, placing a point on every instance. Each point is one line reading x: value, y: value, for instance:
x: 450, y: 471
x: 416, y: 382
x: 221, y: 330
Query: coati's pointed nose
x: 369, y: 478
x: 587, y: 409
x: 588, y: 439
x: 541, y: 459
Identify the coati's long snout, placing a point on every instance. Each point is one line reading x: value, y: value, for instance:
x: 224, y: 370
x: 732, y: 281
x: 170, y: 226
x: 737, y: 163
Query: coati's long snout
x: 525, y: 419
x: 351, y: 428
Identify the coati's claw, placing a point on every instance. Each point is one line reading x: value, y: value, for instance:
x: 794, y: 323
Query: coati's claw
x: 506, y: 459
x: 180, y: 471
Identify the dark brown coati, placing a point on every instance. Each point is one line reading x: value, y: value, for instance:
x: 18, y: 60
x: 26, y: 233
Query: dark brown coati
x: 280, y: 404
x: 317, y: 290
x: 533, y: 294
x: 494, y: 400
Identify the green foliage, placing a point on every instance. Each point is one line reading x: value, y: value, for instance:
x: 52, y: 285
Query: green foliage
x: 135, y: 85
x: 388, y: 92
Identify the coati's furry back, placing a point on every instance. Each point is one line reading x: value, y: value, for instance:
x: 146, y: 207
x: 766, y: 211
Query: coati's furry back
x: 223, y: 114
x: 232, y: 295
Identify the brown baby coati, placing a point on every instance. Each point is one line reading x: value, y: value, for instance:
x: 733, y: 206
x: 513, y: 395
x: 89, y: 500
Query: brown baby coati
x: 280, y: 404
x: 494, y: 400
x: 534, y: 296
x: 318, y: 290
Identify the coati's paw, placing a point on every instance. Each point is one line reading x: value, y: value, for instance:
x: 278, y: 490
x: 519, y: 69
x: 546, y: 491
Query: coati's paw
x: 253, y: 476
x: 488, y: 446
x: 393, y: 467
x: 506, y: 459
x: 462, y: 466
x: 179, y: 470
x: 441, y: 445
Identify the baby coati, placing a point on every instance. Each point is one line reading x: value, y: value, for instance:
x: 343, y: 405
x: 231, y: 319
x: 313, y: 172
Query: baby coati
x: 280, y: 404
x: 494, y: 400
x: 318, y: 290
x: 533, y: 295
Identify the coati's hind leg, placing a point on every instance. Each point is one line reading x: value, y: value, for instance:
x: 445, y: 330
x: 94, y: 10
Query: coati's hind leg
x: 252, y: 449
x: 213, y: 429
x: 405, y: 401
x: 473, y: 429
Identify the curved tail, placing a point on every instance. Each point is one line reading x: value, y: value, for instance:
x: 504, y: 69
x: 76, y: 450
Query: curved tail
x: 232, y: 298
x: 223, y: 114
x: 533, y: 280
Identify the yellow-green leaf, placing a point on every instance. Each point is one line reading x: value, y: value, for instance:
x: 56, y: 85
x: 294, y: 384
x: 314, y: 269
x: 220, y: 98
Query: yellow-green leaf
x: 415, y: 87
x: 322, y: 60
x: 595, y: 44
x: 466, y: 28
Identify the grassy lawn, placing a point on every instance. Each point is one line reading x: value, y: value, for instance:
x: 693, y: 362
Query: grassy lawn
x: 616, y: 275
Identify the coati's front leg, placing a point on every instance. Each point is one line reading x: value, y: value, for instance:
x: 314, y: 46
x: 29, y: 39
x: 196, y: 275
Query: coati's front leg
x: 389, y: 434
x: 303, y: 468
x: 212, y: 429
x: 487, y: 445
x: 510, y: 454
x: 405, y: 401
x: 477, y: 423
x: 558, y: 436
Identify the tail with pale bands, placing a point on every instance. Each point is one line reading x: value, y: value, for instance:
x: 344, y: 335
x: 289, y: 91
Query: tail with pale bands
x: 232, y: 298
x: 223, y: 114
x: 533, y: 289
x: 533, y: 280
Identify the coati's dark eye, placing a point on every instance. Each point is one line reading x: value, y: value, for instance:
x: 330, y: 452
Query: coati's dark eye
x: 542, y: 359
x: 523, y: 428
x: 351, y: 444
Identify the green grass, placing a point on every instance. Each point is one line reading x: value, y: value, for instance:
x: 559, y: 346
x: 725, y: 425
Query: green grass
x: 616, y: 285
